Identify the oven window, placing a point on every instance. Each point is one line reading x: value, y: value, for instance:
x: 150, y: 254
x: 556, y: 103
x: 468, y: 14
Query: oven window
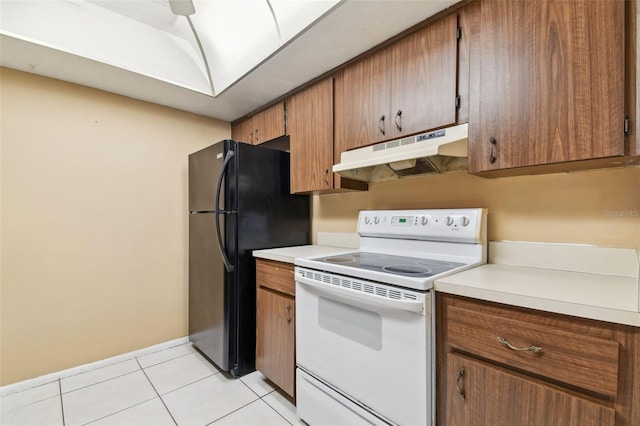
x: 351, y: 322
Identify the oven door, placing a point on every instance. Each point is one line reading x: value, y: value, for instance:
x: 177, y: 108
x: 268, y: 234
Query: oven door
x: 368, y: 345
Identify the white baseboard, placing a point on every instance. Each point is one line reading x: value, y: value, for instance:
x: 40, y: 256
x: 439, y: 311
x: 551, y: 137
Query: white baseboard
x: 47, y: 378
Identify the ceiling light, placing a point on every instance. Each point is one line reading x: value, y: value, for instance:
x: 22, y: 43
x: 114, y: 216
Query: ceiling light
x: 182, y: 7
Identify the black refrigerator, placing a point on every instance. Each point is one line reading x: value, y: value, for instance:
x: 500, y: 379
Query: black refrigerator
x: 239, y: 201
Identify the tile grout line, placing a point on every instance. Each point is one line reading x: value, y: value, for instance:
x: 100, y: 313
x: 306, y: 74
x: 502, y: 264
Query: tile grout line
x: 234, y: 411
x: 28, y: 389
x: 251, y: 389
x: 13, y: 388
x: 273, y: 408
x: 119, y: 411
x: 121, y: 375
x: 166, y: 360
x: 157, y: 393
x: 97, y: 383
x: 188, y: 384
x: 260, y: 398
x: 61, y: 402
x: 96, y: 369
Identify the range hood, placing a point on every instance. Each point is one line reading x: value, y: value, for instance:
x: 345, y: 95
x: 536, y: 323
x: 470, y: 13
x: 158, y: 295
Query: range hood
x: 427, y: 153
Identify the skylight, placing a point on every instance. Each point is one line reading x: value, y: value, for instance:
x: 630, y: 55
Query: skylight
x: 145, y: 37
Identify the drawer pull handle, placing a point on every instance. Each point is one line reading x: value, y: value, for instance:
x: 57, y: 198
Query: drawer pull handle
x: 458, y: 378
x: 532, y: 349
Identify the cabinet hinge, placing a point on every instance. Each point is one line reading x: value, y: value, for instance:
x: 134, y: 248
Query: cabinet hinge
x: 459, y: 33
x: 457, y: 101
x: 285, y: 120
x: 627, y: 126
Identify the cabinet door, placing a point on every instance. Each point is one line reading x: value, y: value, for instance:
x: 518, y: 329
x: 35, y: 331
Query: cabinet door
x: 275, y: 338
x: 310, y: 128
x: 269, y: 124
x: 362, y: 103
x: 494, y: 396
x: 242, y: 131
x: 423, y: 85
x: 551, y: 83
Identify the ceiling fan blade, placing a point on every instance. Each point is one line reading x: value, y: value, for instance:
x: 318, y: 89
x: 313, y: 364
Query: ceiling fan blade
x: 182, y: 7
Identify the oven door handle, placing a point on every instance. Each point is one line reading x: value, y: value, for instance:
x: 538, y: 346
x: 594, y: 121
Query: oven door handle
x: 403, y: 305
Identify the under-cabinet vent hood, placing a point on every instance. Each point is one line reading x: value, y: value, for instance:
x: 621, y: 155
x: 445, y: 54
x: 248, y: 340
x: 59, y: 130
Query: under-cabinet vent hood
x: 433, y: 152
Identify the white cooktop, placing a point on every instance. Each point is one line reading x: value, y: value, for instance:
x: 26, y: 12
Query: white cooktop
x: 410, y: 248
x: 417, y: 273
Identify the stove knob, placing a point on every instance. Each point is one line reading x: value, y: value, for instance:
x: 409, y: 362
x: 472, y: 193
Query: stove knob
x: 376, y: 220
x: 367, y: 220
x: 448, y: 220
x: 425, y: 220
x: 464, y: 221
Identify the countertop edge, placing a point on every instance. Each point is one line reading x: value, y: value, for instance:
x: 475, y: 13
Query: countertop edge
x: 546, y: 305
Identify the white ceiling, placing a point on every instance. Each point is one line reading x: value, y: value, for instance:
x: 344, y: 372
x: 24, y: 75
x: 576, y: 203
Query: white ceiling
x: 139, y: 49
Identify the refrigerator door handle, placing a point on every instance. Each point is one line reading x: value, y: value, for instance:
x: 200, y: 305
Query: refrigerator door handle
x: 227, y: 159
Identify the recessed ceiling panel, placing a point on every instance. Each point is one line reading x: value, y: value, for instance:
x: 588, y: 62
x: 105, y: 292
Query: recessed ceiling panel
x: 139, y: 48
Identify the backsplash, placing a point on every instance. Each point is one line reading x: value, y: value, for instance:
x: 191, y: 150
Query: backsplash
x: 599, y: 207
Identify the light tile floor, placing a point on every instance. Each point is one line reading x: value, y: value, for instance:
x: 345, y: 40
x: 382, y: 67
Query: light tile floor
x: 176, y: 386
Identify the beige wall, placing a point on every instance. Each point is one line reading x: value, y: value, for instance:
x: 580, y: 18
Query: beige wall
x: 94, y: 226
x: 94, y: 223
x: 600, y: 207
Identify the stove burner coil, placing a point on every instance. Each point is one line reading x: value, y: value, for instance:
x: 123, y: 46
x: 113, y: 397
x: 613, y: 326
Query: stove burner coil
x: 406, y: 269
x: 436, y: 263
x: 340, y: 260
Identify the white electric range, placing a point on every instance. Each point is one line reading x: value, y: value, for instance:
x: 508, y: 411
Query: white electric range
x: 364, y: 325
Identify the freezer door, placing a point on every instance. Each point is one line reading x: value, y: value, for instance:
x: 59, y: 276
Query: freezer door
x: 204, y: 168
x: 210, y: 307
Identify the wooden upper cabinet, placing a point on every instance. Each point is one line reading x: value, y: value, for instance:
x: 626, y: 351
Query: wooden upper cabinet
x: 550, y: 83
x: 423, y: 88
x: 261, y: 127
x: 242, y: 131
x: 269, y: 124
x: 362, y: 105
x: 469, y: 23
x: 310, y: 129
x: 404, y: 89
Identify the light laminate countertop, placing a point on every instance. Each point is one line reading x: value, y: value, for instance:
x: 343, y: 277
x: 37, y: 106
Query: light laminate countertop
x: 579, y: 280
x: 583, y: 281
x: 289, y: 254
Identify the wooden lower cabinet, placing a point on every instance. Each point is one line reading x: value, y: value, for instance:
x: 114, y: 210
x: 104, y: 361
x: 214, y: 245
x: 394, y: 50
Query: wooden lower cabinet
x: 504, y: 365
x: 275, y: 323
x: 485, y: 394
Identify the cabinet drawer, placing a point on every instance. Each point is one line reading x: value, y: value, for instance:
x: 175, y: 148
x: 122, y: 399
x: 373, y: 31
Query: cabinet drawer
x: 571, y: 355
x: 277, y: 276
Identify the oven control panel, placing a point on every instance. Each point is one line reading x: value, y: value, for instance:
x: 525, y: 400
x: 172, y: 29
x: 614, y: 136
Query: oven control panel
x: 458, y: 225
